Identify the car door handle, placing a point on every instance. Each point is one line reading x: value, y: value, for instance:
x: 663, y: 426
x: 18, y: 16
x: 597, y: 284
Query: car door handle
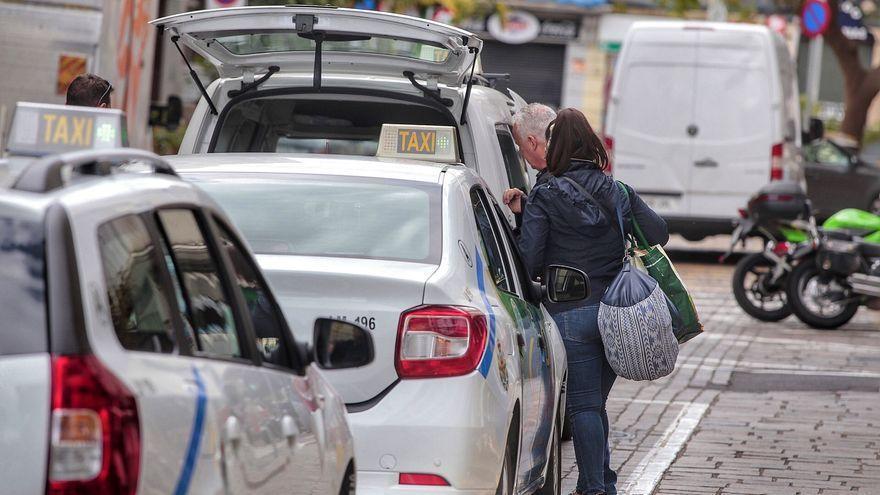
x: 232, y: 430
x: 706, y: 163
x: 289, y: 429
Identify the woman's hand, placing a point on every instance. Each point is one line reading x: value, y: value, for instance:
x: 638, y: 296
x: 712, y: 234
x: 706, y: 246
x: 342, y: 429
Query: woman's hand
x: 513, y: 199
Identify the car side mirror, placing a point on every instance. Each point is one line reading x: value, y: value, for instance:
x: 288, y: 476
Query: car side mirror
x: 340, y: 344
x: 565, y: 284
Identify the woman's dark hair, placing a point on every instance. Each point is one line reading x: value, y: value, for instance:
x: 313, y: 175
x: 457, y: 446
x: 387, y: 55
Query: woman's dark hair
x: 571, y: 137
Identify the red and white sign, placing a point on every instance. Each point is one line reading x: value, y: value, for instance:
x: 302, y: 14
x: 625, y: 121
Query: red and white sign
x: 777, y: 23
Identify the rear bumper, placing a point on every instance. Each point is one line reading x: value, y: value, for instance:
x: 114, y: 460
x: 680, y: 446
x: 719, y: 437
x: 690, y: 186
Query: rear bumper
x: 452, y: 427
x: 699, y: 226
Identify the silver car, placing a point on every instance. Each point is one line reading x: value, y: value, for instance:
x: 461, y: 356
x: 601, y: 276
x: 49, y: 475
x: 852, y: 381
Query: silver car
x: 466, y: 392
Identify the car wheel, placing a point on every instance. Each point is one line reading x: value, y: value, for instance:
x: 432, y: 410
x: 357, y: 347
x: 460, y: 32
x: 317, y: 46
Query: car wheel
x: 553, y: 481
x: 508, y: 469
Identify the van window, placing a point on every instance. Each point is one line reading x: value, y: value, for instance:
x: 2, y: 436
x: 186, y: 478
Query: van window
x: 517, y: 176
x: 248, y: 44
x: 22, y: 284
x: 328, y: 123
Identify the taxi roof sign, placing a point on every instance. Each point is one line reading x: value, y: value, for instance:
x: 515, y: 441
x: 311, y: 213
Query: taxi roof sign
x: 434, y: 143
x: 40, y: 129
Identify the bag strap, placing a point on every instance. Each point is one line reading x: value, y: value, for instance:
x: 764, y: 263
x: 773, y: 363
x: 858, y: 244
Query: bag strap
x: 617, y: 207
x: 640, y: 236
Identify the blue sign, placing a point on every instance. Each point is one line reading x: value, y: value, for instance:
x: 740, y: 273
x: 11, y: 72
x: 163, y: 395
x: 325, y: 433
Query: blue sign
x: 815, y: 17
x: 850, y: 20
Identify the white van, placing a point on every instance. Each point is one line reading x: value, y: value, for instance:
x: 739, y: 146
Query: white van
x: 702, y: 115
x: 309, y: 79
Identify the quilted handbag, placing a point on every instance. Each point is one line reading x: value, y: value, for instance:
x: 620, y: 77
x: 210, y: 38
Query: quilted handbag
x: 636, y: 319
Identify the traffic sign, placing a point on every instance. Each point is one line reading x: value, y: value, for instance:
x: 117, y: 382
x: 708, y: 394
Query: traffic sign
x: 815, y: 17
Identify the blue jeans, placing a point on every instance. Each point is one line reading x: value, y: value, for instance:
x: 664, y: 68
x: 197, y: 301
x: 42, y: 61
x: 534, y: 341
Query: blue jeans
x: 590, y: 378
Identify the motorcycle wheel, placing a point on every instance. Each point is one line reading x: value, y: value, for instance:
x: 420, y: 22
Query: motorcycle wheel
x: 757, y: 300
x: 807, y: 295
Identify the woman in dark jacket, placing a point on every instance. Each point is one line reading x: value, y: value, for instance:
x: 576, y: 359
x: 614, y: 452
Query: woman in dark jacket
x: 561, y: 225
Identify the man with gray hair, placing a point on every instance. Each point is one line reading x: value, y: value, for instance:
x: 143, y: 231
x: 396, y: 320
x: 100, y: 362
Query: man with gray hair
x: 529, y: 132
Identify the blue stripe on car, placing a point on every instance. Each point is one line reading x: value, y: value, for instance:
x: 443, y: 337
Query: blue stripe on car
x: 195, y: 437
x: 481, y: 283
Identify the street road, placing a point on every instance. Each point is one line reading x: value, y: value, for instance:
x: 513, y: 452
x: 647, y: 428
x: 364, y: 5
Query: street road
x: 752, y: 408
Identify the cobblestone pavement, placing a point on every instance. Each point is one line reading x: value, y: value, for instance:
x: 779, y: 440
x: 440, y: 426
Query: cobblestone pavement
x: 752, y: 408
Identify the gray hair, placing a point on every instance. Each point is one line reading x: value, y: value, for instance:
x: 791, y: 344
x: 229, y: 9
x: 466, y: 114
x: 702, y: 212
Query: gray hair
x: 532, y: 120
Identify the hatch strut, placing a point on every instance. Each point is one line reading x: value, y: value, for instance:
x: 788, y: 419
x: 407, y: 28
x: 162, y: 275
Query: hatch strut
x: 305, y: 28
x: 434, y: 94
x: 470, y: 83
x: 232, y: 93
x: 194, y: 76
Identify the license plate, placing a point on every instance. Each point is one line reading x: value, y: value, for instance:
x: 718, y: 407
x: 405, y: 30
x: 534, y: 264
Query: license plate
x: 661, y: 203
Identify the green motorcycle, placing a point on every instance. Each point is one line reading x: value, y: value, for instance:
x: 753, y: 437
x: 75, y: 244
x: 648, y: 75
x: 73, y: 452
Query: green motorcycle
x: 840, y: 272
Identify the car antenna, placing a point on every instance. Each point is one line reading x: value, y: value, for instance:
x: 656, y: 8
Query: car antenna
x: 470, y: 84
x: 194, y: 76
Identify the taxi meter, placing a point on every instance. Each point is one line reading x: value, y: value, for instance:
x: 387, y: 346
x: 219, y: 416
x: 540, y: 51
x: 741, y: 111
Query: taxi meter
x: 420, y: 142
x: 40, y: 129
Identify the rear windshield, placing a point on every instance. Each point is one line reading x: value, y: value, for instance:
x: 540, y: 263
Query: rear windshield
x: 22, y: 284
x: 335, y: 124
x: 248, y: 44
x: 332, y: 216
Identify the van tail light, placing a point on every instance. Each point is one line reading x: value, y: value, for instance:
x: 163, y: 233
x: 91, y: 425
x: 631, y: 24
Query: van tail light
x: 95, y: 435
x: 440, y: 341
x: 421, y: 479
x: 608, y: 141
x: 776, y: 162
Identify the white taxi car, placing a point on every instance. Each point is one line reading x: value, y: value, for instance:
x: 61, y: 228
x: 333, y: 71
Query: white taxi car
x: 310, y: 79
x: 466, y: 392
x: 141, y: 350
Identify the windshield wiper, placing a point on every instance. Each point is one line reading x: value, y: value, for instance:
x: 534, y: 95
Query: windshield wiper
x: 232, y: 93
x: 194, y: 76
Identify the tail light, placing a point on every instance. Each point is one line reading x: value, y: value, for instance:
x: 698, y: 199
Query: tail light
x: 608, y: 141
x: 95, y: 435
x: 781, y: 248
x: 422, y: 479
x: 776, y: 162
x: 440, y: 341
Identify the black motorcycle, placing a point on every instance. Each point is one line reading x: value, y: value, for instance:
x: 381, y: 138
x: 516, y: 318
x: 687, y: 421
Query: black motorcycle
x: 780, y: 215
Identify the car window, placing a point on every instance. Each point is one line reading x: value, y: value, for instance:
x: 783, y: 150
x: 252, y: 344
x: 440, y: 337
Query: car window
x: 22, y: 283
x: 826, y: 153
x: 139, y: 308
x: 209, y: 312
x: 517, y: 175
x: 378, y: 219
x: 494, y: 250
x: 517, y: 266
x: 264, y: 314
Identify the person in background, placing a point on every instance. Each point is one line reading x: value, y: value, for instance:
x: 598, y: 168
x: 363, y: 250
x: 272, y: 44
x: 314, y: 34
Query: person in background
x: 529, y: 125
x: 569, y: 219
x: 89, y: 90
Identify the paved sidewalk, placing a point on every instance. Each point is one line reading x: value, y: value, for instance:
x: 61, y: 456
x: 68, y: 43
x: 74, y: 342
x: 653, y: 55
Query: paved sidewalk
x: 752, y: 408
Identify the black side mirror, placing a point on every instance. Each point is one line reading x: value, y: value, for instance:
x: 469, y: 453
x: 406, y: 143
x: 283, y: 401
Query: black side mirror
x: 340, y: 345
x: 817, y: 129
x: 566, y: 284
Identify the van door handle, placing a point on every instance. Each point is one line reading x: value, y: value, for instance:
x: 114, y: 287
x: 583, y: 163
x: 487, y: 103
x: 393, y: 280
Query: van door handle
x: 288, y: 427
x: 706, y: 163
x: 232, y: 431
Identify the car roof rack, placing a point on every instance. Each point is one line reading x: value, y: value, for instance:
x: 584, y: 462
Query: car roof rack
x: 47, y: 174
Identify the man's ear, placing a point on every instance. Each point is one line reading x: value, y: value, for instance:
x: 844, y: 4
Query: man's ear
x: 533, y: 142
x: 103, y: 105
